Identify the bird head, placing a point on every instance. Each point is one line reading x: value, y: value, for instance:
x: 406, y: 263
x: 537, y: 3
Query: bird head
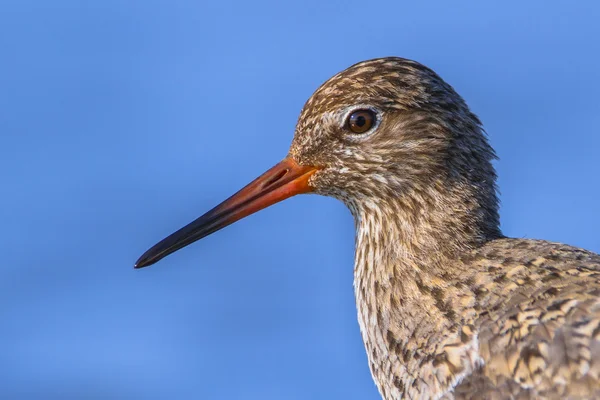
x: 384, y: 131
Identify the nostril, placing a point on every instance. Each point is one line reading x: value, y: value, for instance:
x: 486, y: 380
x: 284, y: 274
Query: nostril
x: 275, y: 178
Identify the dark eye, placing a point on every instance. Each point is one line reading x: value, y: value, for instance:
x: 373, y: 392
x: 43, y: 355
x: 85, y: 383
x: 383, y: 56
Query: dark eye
x: 361, y: 121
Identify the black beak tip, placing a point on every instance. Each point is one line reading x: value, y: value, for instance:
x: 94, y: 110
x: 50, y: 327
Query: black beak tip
x: 144, y: 261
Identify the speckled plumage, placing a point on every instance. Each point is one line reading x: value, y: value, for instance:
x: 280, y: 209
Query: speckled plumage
x: 447, y: 306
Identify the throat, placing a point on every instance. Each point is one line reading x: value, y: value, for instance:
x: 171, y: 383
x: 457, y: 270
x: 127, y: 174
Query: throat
x: 422, y: 231
x: 414, y: 324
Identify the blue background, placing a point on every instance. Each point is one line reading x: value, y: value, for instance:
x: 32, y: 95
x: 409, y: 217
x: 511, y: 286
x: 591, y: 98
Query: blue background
x: 121, y: 121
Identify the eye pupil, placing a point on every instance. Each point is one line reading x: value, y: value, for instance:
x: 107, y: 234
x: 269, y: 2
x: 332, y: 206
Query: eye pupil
x: 361, y: 121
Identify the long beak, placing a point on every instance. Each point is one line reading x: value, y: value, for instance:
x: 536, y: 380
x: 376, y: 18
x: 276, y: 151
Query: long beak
x: 284, y: 180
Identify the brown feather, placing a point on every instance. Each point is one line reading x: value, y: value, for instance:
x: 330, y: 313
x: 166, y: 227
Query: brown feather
x: 447, y: 306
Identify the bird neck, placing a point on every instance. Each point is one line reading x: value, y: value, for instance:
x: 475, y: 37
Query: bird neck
x: 425, y: 229
x: 407, y: 311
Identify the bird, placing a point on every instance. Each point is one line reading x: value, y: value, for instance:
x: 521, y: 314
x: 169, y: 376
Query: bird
x: 448, y: 306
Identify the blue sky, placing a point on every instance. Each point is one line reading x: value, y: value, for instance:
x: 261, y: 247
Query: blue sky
x: 122, y: 121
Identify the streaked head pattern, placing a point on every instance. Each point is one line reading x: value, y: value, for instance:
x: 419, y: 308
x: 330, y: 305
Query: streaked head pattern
x: 425, y: 145
x: 414, y: 149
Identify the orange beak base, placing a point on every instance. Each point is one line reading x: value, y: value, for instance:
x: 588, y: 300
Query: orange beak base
x: 284, y: 180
